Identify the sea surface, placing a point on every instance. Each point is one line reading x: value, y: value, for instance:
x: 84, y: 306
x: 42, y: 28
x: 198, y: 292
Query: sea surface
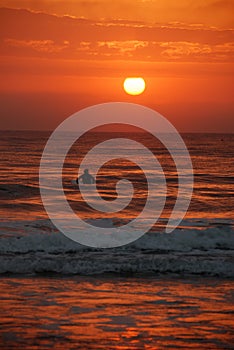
x: 163, y: 291
x: 212, y: 157
x: 116, y: 312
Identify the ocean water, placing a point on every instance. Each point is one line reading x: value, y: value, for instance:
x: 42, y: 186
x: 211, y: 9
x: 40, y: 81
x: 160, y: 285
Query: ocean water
x: 170, y: 291
x: 204, y: 237
x: 116, y: 312
x: 212, y: 157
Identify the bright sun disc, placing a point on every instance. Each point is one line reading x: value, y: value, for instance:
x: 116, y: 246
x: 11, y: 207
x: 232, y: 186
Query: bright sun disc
x: 134, y: 86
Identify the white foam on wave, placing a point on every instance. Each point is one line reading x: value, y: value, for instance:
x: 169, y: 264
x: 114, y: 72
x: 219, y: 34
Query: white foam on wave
x: 28, y: 247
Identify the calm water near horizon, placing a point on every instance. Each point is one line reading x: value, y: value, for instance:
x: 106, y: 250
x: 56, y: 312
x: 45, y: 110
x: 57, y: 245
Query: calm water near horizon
x: 161, y: 292
x: 212, y: 157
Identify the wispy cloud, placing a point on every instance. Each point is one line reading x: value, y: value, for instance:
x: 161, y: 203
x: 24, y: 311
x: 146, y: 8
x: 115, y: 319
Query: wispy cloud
x: 46, y: 46
x: 69, y: 38
x: 212, y: 12
x: 197, y: 51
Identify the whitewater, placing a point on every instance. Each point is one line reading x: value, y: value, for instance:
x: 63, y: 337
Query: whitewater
x: 28, y: 247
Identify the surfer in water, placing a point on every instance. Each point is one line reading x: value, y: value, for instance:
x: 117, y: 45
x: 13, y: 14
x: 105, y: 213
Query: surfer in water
x: 86, y: 178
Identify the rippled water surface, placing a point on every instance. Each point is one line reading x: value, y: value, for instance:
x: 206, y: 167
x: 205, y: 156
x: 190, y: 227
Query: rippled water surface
x: 116, y: 313
x: 212, y: 156
x: 126, y: 309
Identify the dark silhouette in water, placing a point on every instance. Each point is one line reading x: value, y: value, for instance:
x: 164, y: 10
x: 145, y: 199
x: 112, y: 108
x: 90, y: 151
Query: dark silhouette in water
x: 86, y: 178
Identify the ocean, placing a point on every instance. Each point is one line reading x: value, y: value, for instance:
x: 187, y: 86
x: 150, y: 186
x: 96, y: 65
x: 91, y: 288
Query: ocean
x: 163, y: 291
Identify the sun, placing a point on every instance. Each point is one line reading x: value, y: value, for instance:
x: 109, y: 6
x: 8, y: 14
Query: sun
x: 134, y: 85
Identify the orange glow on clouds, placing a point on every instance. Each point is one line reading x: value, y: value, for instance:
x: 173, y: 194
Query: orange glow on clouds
x: 183, y: 49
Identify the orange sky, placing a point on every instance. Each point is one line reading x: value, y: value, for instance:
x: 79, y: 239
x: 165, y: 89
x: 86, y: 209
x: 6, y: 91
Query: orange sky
x: 60, y: 56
